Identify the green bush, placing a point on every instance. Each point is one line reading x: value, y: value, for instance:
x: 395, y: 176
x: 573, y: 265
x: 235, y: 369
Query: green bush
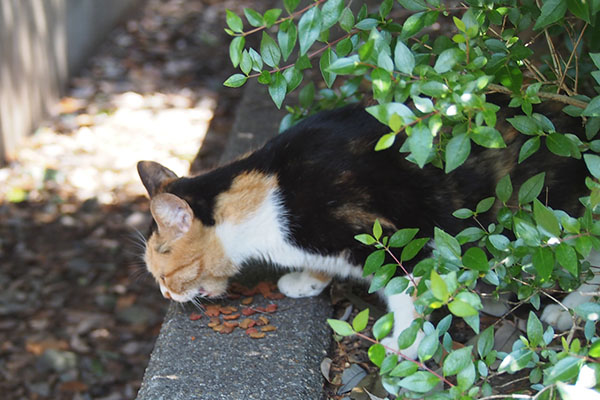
x: 391, y: 54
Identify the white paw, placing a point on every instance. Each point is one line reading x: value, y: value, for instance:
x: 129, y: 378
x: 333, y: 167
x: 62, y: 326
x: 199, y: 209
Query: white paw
x: 557, y: 316
x: 301, y: 284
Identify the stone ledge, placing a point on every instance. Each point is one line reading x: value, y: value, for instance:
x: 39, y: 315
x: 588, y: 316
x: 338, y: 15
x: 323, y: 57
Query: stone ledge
x: 283, y: 365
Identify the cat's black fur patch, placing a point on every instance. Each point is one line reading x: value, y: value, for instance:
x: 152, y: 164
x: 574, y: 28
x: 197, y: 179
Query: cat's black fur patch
x: 326, y: 168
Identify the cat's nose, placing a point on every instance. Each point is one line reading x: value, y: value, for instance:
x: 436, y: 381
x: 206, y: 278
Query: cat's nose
x: 167, y: 295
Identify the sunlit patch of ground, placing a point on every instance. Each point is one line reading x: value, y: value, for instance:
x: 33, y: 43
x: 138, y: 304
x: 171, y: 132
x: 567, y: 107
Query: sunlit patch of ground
x: 97, y: 159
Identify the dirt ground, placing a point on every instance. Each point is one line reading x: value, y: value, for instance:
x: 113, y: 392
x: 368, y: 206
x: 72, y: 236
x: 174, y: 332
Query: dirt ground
x: 78, y: 313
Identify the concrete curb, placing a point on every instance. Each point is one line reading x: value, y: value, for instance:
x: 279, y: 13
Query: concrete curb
x: 283, y: 365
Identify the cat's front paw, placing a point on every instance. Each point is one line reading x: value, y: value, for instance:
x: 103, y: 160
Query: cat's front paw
x: 302, y: 284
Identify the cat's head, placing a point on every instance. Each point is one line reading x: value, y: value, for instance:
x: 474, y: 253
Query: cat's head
x: 184, y: 256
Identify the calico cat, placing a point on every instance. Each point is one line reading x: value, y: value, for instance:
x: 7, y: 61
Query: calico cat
x: 299, y: 201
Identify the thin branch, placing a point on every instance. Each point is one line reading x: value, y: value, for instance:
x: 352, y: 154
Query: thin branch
x: 280, y: 20
x: 573, y: 53
x: 419, y: 364
x: 550, y: 96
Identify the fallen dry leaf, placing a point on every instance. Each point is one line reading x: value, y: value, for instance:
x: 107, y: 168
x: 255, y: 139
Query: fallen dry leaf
x: 251, y: 330
x: 247, y: 323
x: 275, y: 296
x: 271, y: 308
x: 247, y: 301
x: 214, y: 321
x: 228, y: 310
x: 257, y: 335
x: 249, y: 311
x: 195, y: 316
x: 262, y: 320
x: 268, y: 328
x: 231, y: 324
x: 231, y: 316
x: 213, y: 310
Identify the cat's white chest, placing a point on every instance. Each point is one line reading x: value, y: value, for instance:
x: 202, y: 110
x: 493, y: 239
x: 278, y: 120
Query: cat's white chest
x: 264, y: 235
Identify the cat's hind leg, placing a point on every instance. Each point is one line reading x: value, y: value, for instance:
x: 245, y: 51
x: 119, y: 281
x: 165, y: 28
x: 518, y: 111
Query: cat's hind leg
x: 305, y: 283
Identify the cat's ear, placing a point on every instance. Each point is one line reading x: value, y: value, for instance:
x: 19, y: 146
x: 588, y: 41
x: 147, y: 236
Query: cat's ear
x: 153, y: 175
x: 172, y: 214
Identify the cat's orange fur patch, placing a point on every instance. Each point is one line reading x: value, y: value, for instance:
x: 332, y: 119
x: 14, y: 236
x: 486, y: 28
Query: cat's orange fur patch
x: 193, y: 260
x: 246, y: 194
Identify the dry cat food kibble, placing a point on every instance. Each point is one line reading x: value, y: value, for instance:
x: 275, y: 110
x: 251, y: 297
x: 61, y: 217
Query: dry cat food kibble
x: 224, y: 319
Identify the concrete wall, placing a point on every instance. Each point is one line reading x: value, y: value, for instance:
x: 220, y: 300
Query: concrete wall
x: 42, y: 43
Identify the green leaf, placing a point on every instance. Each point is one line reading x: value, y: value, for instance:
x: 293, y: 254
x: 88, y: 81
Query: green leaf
x: 406, y: 368
x: 529, y: 148
x: 404, y: 58
x: 525, y: 124
x: 396, y: 285
x: 485, y: 205
x: 373, y: 262
x: 347, y: 20
x: 365, y: 239
x: 253, y: 17
x: 589, y: 311
x: 402, y: 237
x: 420, y: 382
x: 257, y: 62
x: 457, y: 360
x: 580, y: 9
x: 331, y: 12
x: 290, y: 5
x: 382, y: 277
x: 566, y: 256
x: 447, y: 245
x: 345, y: 65
x: 287, y: 40
x: 439, y: 288
x: 504, y: 189
x: 327, y: 58
x: 235, y: 50
x: 526, y: 231
x: 342, y: 328
x: 420, y: 143
x: 487, y: 137
x: 559, y: 144
x: 270, y: 16
x: 470, y: 234
x: 412, y: 25
x: 475, y: 258
x: 383, y: 326
x: 278, y: 88
x: 407, y: 337
x: 309, y: 28
x: 376, y: 354
x: 246, y: 63
x: 543, y: 262
x: 545, y: 218
x: 361, y: 320
x: 531, y: 188
x: 293, y: 77
x: 388, y: 364
x: 235, y: 80
x: 414, y: 5
x: 234, y: 22
x: 552, y: 11
x: 461, y: 308
x: 366, y: 24
x: 377, y: 230
x: 595, y: 349
x: 516, y: 361
x: 412, y: 249
x: 535, y: 330
x: 428, y: 347
x: 448, y: 59
x: 269, y: 50
x: 592, y: 161
x: 381, y: 84
x: 386, y: 141
x: 564, y: 370
x: 463, y: 213
x: 457, y: 151
x: 499, y: 242
x: 485, y: 342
